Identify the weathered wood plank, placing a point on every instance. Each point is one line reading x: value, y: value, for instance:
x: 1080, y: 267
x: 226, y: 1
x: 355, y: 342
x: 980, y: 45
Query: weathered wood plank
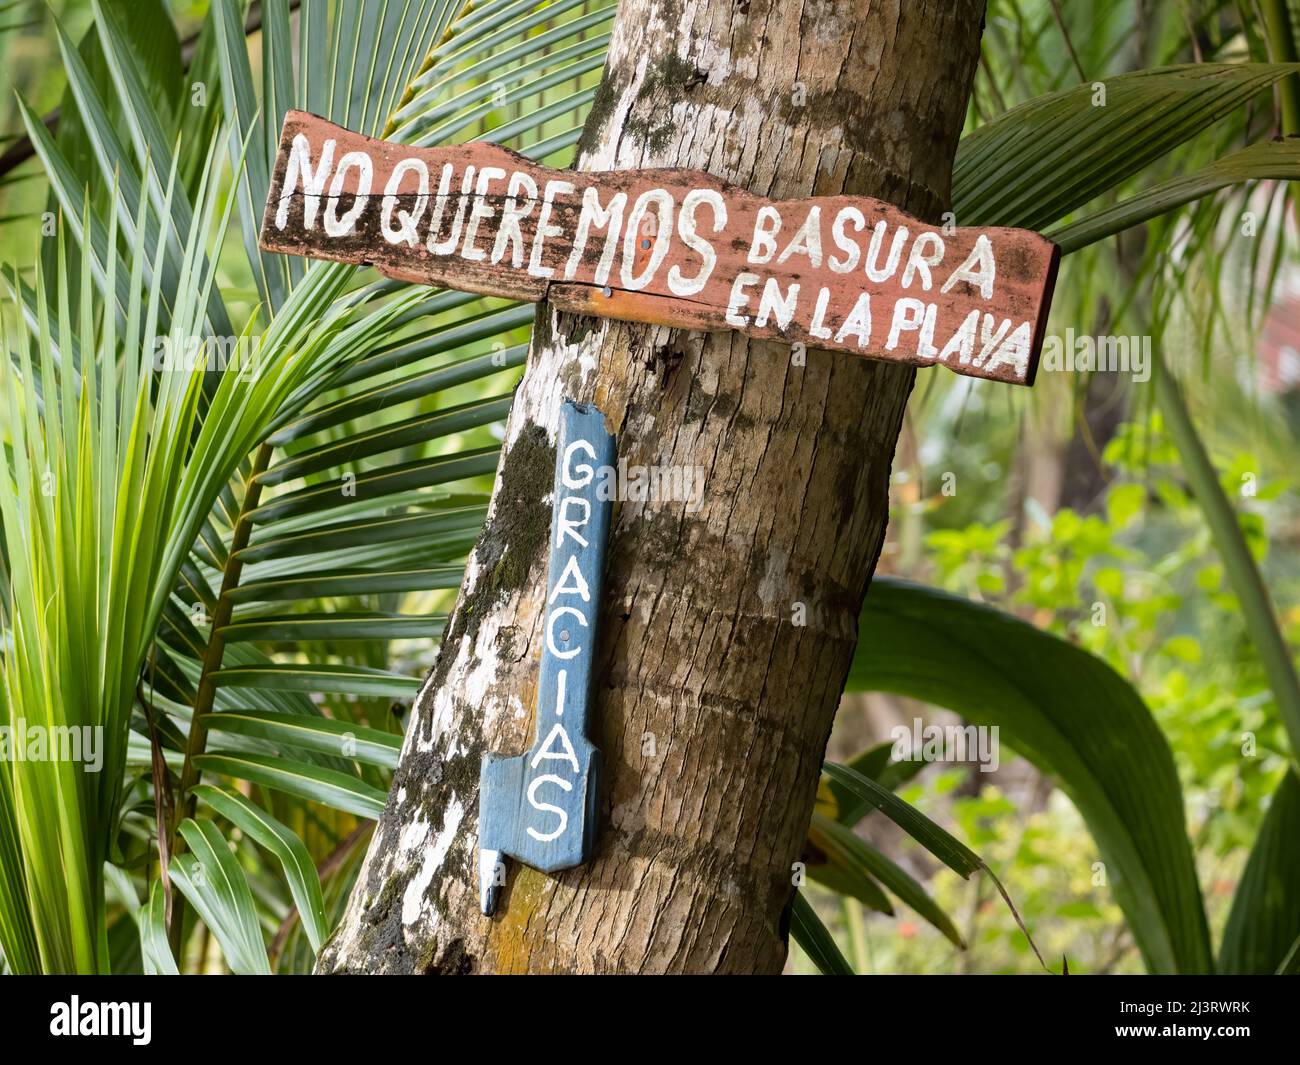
x: 669, y: 247
x: 540, y: 807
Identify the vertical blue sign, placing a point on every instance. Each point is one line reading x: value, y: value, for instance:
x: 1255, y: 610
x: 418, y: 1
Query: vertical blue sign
x: 540, y: 808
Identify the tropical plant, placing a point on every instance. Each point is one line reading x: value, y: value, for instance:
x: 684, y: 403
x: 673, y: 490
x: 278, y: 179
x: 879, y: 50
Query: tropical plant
x: 1092, y: 732
x: 240, y: 488
x: 238, y: 553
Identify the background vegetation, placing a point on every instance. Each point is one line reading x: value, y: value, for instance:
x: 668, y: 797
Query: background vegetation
x: 242, y: 578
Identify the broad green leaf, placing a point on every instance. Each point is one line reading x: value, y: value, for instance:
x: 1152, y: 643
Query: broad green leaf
x: 1074, y: 718
x: 1264, y: 920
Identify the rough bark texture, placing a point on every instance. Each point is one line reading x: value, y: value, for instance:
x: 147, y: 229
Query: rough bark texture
x: 714, y: 704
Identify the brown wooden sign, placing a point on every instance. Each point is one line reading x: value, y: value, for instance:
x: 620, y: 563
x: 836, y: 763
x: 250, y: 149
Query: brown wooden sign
x: 669, y: 247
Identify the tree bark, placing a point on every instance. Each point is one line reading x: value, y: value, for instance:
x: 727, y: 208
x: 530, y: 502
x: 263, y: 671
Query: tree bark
x: 726, y: 630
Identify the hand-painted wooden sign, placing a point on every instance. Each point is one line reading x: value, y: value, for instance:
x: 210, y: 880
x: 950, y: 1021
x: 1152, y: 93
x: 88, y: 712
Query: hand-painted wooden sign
x: 540, y: 808
x: 671, y: 247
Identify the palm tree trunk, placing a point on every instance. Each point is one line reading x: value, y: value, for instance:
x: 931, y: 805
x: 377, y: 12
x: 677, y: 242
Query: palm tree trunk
x: 726, y: 630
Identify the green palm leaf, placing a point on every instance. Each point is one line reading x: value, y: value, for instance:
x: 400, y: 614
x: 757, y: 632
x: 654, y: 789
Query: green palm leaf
x: 332, y: 788
x: 266, y: 831
x: 299, y: 588
x: 1036, y: 163
x: 211, y: 879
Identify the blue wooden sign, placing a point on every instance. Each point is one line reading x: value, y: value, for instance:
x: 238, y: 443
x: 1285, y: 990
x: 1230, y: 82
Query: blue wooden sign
x: 540, y: 808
